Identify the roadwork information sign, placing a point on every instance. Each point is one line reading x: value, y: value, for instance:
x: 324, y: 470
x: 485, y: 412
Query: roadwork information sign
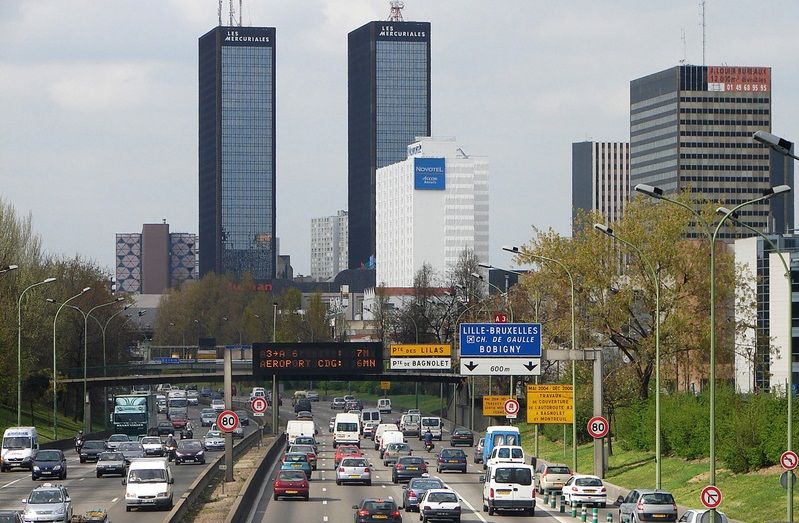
x: 550, y: 404
x: 494, y: 405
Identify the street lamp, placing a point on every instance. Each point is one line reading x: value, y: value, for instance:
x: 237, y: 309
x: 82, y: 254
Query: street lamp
x: 766, y: 195
x: 515, y: 250
x: 781, y: 145
x: 656, y: 320
x: 19, y: 344
x: 55, y: 374
x: 8, y: 268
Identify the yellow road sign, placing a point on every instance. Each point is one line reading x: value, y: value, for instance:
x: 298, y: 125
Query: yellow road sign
x: 550, y: 404
x: 428, y: 350
x: 385, y: 385
x: 494, y: 405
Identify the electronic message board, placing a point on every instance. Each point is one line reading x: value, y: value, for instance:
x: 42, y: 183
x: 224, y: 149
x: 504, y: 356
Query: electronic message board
x: 322, y: 359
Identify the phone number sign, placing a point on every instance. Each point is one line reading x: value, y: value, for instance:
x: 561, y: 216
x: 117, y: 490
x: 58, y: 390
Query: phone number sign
x: 319, y: 359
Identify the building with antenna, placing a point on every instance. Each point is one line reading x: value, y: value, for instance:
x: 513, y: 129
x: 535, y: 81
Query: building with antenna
x: 691, y: 128
x: 388, y: 107
x: 237, y: 151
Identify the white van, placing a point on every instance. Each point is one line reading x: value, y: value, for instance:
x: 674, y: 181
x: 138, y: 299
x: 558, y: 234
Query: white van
x: 370, y: 419
x: 379, y: 432
x: 390, y: 436
x: 19, y: 446
x: 409, y: 424
x: 433, y: 424
x: 509, y: 486
x: 506, y: 454
x: 295, y: 427
x: 384, y: 405
x: 148, y: 483
x: 347, y: 430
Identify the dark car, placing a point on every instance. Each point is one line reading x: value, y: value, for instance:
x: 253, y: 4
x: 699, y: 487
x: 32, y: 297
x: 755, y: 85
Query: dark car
x: 292, y: 483
x: 114, y: 440
x: 205, y: 392
x: 307, y: 440
x: 338, y: 403
x: 165, y: 428
x: 415, y: 489
x: 10, y: 516
x: 377, y: 509
x: 462, y: 437
x: 478, y: 451
x: 189, y: 450
x: 244, y: 417
x: 110, y: 463
x: 49, y: 463
x: 302, y: 404
x: 408, y: 467
x: 91, y: 449
x: 131, y: 450
x: 451, y: 459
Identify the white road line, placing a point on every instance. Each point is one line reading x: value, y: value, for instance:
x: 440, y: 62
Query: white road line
x: 383, y: 486
x: 468, y: 505
x: 81, y: 479
x: 11, y: 483
x: 324, y: 502
x: 324, y: 489
x: 324, y: 518
x: 114, y: 500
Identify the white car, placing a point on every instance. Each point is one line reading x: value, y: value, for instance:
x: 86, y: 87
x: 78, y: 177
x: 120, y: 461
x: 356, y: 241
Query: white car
x: 440, y: 504
x: 695, y: 516
x: 218, y: 405
x: 193, y: 397
x: 153, y: 446
x: 354, y: 470
x: 214, y: 440
x: 585, y: 490
x: 506, y: 454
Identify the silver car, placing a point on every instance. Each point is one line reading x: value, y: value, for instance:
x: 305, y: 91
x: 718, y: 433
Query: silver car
x: 110, y: 463
x: 48, y: 503
x: 647, y: 505
x: 208, y: 417
x: 394, y: 451
x: 153, y: 446
x: 131, y: 450
x: 354, y: 470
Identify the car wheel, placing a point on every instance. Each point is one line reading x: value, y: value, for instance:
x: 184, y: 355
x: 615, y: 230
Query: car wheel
x: 127, y: 509
x: 394, y: 479
x: 307, y: 497
x: 490, y: 510
x: 369, y: 483
x: 603, y: 505
x: 485, y: 507
x: 33, y: 477
x: 463, y: 470
x: 338, y: 482
x: 438, y: 470
x: 274, y: 497
x: 82, y: 460
x: 99, y: 475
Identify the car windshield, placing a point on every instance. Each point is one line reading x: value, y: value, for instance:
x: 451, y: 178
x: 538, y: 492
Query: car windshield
x: 429, y: 422
x: 425, y: 484
x: 399, y: 447
x: 16, y: 442
x: 558, y: 470
x: 152, y: 440
x: 213, y: 434
x: 354, y: 462
x: 147, y: 476
x: 38, y: 497
x: 379, y: 505
x: 452, y: 453
x: 301, y: 448
x: 462, y: 432
x: 521, y: 476
x: 209, y: 412
x: 346, y: 427
x: 130, y: 446
x: 291, y: 475
x: 657, y: 498
x: 118, y: 437
x: 442, y: 497
x: 111, y: 456
x: 94, y: 444
x: 296, y: 457
x: 411, y: 461
x: 48, y: 455
x: 588, y: 482
x: 349, y: 450
x: 304, y: 440
x: 189, y: 444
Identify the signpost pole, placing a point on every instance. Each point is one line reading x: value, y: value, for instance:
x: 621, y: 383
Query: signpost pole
x: 599, y: 443
x: 275, y: 397
x: 228, y: 377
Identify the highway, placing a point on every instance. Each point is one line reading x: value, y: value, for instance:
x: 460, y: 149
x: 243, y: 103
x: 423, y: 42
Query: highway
x: 88, y: 491
x: 331, y: 503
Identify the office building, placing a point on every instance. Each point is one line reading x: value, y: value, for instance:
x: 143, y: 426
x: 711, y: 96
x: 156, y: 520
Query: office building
x: 691, y: 127
x: 430, y: 208
x: 761, y: 351
x: 388, y: 106
x: 600, y: 178
x: 329, y: 243
x: 237, y: 151
x: 155, y: 259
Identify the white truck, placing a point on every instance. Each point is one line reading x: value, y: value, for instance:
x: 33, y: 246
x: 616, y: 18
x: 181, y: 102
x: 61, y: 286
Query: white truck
x: 19, y: 446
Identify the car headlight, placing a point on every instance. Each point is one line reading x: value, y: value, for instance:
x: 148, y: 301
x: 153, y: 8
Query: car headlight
x: 200, y: 453
x: 129, y: 495
x: 57, y: 467
x: 36, y: 467
x: 163, y: 494
x: 60, y: 510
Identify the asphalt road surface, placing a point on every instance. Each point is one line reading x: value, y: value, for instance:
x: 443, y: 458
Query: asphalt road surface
x: 330, y: 503
x: 88, y: 491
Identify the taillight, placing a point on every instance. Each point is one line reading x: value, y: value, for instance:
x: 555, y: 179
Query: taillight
x: 491, y: 493
x: 395, y: 514
x: 399, y: 466
x: 640, y: 505
x: 545, y: 473
x: 458, y: 509
x: 341, y: 469
x: 411, y: 494
x: 602, y: 489
x: 574, y: 489
x: 426, y: 507
x: 363, y: 513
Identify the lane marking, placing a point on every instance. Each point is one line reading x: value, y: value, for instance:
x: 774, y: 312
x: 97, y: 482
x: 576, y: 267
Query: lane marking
x: 324, y: 502
x: 11, y: 483
x: 324, y: 489
x: 383, y: 486
x: 114, y: 500
x: 324, y: 518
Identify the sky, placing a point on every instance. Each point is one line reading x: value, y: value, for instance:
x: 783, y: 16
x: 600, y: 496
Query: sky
x: 98, y: 126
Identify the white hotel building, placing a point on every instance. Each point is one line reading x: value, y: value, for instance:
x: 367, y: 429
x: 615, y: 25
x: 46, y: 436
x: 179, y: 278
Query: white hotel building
x: 429, y: 208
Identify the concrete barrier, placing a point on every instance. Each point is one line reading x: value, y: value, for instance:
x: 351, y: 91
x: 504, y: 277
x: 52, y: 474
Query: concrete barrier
x: 245, y: 500
x: 66, y: 444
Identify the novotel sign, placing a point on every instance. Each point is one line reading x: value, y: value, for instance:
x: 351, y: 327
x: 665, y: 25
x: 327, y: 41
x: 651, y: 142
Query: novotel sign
x: 429, y: 174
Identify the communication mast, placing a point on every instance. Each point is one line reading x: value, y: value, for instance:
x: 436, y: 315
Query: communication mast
x: 231, y: 13
x: 396, y: 11
x: 684, y: 48
x: 704, y: 28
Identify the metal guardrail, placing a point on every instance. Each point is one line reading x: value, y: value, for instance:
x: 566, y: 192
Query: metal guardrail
x: 252, y: 487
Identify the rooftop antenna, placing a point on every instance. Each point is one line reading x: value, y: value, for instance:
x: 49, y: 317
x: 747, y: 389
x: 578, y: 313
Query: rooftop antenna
x: 396, y: 11
x: 704, y: 29
x: 230, y: 20
x: 219, y: 12
x: 684, y: 47
x: 241, y: 13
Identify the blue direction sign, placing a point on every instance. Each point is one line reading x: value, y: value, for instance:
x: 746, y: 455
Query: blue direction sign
x: 498, y: 340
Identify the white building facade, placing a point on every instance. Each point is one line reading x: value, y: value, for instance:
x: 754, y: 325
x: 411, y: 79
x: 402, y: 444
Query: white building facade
x: 429, y: 209
x: 329, y: 240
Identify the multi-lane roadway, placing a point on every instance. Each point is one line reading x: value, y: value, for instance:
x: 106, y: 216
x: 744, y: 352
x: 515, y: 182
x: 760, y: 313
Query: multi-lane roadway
x: 330, y: 503
x: 88, y: 491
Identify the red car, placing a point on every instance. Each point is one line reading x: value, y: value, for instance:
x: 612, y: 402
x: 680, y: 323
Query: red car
x: 291, y: 483
x: 178, y: 422
x: 347, y: 451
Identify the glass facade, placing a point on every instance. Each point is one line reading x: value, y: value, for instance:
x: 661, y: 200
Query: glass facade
x: 241, y: 222
x: 389, y: 106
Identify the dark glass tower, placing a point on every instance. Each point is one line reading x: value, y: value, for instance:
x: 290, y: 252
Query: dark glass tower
x: 389, y: 106
x: 237, y: 151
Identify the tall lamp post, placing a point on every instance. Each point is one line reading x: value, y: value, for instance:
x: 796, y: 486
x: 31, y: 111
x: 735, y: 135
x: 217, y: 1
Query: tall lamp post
x: 8, y: 268
x: 275, y: 395
x: 508, y: 307
x: 515, y: 250
x: 769, y: 193
x: 19, y: 345
x: 55, y: 373
x: 784, y: 147
x: 656, y: 320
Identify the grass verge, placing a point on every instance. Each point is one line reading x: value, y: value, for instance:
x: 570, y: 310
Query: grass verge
x: 43, y: 421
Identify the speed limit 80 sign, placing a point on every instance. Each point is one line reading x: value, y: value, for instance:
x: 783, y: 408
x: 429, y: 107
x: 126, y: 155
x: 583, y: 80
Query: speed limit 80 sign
x: 598, y: 427
x: 227, y: 421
